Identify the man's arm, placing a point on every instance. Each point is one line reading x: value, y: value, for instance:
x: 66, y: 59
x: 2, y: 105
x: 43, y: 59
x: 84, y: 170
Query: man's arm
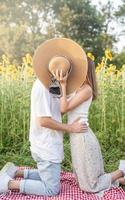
x: 75, y: 127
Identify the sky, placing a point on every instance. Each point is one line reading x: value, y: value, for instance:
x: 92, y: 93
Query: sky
x: 117, y: 27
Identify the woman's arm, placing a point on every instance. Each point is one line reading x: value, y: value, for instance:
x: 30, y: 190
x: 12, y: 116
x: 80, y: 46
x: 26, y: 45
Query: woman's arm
x: 82, y: 95
x: 63, y: 100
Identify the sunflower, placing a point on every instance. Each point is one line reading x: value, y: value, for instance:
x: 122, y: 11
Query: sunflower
x: 91, y: 56
x: 108, y: 54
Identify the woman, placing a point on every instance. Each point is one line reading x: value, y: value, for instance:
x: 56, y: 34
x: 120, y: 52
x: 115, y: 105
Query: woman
x: 85, y: 149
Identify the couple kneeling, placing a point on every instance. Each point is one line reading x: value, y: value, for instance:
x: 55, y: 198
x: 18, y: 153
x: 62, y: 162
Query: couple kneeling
x: 61, y: 65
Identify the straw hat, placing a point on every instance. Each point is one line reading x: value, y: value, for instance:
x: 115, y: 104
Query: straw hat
x: 62, y: 54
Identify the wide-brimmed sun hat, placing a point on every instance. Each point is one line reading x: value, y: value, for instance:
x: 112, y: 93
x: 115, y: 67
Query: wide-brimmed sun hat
x: 62, y: 54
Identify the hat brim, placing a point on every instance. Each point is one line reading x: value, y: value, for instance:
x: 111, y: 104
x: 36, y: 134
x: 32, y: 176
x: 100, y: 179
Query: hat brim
x: 62, y: 47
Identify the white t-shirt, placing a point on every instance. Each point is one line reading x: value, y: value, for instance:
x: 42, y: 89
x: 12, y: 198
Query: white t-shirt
x: 45, y: 142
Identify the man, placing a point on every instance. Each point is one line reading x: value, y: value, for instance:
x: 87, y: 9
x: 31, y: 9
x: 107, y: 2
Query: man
x: 46, y: 136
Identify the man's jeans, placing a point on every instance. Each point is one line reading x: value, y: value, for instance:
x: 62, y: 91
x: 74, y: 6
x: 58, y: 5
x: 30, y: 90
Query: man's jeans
x: 42, y: 181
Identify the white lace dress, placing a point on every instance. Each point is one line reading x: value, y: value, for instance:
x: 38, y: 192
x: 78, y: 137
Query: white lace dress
x: 86, y: 155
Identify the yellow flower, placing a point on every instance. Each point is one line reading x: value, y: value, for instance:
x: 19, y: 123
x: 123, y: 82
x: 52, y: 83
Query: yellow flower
x: 14, y: 76
x: 118, y: 74
x: 103, y: 59
x: 123, y: 67
x: 28, y: 71
x: 97, y: 70
x: 24, y: 60
x: 108, y: 54
x: 100, y: 66
x: 91, y: 56
x: 28, y: 58
x: 2, y: 69
x: 5, y: 59
x: 113, y: 67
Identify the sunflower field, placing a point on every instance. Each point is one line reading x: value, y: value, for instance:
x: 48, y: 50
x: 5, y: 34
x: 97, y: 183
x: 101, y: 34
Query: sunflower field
x: 106, y: 118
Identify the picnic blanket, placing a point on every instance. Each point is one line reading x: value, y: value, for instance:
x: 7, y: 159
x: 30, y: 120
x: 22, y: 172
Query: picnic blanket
x: 69, y: 191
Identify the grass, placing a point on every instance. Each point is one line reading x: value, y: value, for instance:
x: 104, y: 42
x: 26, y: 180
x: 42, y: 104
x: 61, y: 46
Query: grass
x: 107, y: 115
x: 23, y: 157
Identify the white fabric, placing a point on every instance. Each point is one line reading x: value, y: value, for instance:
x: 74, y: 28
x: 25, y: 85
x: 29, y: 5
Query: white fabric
x: 122, y: 166
x: 86, y: 155
x: 47, y: 143
x: 4, y: 180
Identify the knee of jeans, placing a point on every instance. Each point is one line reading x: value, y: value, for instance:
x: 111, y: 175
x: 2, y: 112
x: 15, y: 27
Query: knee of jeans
x: 53, y: 190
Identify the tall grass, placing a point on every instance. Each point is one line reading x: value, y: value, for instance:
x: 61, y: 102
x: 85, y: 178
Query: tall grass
x: 107, y: 113
x: 14, y: 106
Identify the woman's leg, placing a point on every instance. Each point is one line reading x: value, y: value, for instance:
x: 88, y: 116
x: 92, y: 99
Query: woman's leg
x: 116, y: 175
x: 88, y: 164
x: 122, y: 181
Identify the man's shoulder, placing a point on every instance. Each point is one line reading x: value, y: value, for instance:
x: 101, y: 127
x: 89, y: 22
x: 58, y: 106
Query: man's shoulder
x: 38, y: 88
x: 37, y: 83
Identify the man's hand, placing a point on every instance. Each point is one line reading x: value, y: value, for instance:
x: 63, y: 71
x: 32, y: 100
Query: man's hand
x: 75, y: 127
x: 78, y: 127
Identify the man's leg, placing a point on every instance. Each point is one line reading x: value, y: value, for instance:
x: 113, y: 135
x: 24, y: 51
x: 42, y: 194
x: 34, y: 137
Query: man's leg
x: 49, y: 184
x: 28, y: 174
x: 12, y: 170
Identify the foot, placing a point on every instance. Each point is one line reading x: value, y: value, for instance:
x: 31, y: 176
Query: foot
x: 4, y: 180
x: 122, y: 181
x: 122, y: 166
x: 10, y: 169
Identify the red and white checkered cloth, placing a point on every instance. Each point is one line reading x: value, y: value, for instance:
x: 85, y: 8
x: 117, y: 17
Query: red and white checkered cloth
x: 69, y: 191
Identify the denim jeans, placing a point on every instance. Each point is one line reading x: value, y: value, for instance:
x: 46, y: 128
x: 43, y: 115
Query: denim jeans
x: 42, y: 181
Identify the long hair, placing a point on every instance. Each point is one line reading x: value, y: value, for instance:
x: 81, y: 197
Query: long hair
x: 91, y: 77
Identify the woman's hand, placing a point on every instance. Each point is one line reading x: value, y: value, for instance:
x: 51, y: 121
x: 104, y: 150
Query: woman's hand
x: 59, y: 77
